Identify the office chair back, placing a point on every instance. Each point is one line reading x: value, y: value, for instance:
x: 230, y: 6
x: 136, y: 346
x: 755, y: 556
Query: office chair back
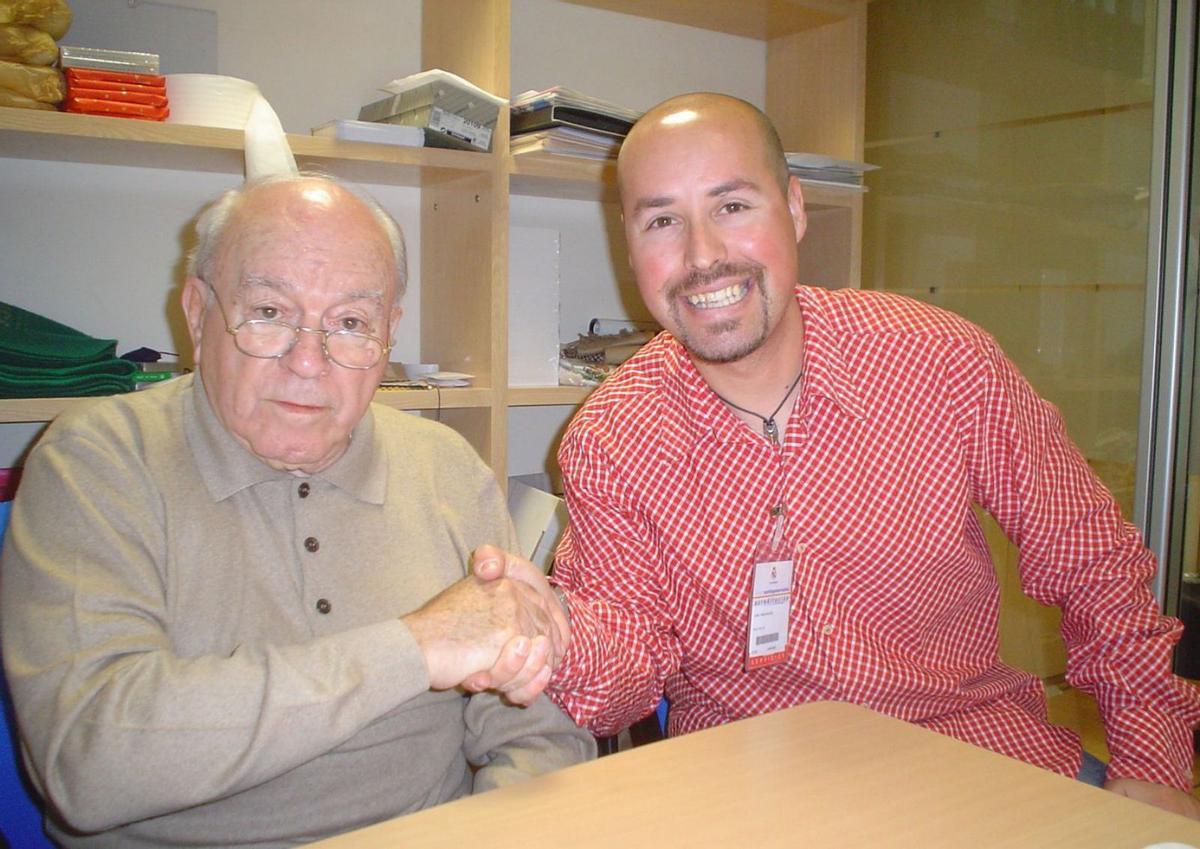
x: 21, y: 824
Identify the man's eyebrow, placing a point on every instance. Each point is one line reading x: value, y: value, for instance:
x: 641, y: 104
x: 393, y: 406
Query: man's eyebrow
x: 287, y: 287
x: 733, y: 185
x: 652, y: 203
x: 660, y: 201
x: 252, y: 280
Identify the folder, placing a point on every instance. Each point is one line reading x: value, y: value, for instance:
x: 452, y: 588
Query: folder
x: 557, y: 115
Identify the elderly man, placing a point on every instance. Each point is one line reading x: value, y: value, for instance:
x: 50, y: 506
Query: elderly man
x: 234, y: 607
x: 773, y: 502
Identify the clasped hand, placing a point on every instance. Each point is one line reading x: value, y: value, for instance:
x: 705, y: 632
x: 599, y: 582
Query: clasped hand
x: 500, y: 628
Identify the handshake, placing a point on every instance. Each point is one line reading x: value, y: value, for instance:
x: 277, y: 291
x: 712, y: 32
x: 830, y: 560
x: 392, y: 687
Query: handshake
x: 501, y: 628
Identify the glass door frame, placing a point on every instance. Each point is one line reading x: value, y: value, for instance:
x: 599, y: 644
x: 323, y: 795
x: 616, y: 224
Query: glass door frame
x: 1169, y: 340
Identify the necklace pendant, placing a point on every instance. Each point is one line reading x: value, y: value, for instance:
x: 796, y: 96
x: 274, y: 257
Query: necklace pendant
x: 771, y: 431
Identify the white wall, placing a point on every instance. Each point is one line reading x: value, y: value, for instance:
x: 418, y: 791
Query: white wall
x: 629, y: 60
x: 635, y: 63
x: 100, y: 248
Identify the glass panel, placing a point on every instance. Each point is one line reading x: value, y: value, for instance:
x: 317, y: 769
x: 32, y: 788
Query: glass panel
x: 1014, y: 139
x: 1183, y: 557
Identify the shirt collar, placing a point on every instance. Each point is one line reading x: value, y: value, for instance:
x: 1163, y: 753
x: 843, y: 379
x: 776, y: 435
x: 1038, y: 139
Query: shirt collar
x: 227, y: 467
x: 825, y: 376
x: 826, y: 372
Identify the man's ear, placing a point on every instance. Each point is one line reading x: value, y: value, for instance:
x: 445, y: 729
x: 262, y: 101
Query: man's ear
x: 795, y: 202
x: 394, y: 322
x: 195, y: 303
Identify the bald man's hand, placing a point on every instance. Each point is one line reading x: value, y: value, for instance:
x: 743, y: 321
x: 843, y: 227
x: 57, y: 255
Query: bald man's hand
x: 519, y: 674
x: 488, y: 623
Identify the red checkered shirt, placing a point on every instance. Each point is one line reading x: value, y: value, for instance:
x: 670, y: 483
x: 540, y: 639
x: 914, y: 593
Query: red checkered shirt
x: 908, y: 416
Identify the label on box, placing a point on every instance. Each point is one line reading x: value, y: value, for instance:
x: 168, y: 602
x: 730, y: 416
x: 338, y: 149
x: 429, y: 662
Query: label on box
x: 474, y: 134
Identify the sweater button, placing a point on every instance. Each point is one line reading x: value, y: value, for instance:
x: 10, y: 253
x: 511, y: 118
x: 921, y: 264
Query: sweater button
x: 311, y: 544
x: 323, y: 606
x: 304, y: 489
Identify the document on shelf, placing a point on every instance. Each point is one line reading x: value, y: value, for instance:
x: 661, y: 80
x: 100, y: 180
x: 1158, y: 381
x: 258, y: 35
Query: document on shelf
x: 816, y: 168
x: 567, y: 141
x: 437, y: 75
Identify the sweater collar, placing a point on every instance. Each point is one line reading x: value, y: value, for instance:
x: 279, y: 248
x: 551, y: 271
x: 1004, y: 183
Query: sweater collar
x: 227, y: 467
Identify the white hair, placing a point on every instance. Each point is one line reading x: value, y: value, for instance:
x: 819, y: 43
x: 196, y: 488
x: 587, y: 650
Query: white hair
x: 213, y: 221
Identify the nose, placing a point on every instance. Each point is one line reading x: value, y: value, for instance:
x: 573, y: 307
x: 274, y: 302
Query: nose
x: 705, y: 248
x: 307, y: 357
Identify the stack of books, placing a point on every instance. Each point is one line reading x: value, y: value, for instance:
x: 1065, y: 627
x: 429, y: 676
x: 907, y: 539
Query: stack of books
x: 567, y: 122
x: 116, y: 83
x: 825, y: 170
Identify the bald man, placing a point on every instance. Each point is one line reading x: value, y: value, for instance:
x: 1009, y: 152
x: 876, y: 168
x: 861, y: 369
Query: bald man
x: 772, y: 503
x: 234, y: 606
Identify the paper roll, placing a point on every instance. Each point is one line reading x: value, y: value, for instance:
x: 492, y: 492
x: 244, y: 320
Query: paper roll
x: 267, y: 148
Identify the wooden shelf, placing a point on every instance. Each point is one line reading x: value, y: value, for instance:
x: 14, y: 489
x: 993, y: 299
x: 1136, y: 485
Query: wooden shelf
x: 99, y: 140
x: 17, y: 410
x: 465, y: 398
x: 547, y: 396
x: 761, y: 19
x: 551, y: 176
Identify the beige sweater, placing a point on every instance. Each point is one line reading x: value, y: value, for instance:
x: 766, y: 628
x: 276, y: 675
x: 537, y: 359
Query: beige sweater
x: 204, y: 651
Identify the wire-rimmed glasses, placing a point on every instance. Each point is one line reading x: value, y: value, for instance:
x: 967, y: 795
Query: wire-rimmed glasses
x: 268, y: 339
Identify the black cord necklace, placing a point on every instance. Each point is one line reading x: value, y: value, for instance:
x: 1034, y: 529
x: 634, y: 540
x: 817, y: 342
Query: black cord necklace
x: 770, y: 429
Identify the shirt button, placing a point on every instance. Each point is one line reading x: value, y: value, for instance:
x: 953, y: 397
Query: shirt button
x: 311, y: 544
x: 304, y: 488
x: 323, y: 606
x: 827, y: 630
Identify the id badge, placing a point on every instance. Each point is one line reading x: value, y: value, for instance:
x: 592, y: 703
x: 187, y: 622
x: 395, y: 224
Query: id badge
x: 770, y: 606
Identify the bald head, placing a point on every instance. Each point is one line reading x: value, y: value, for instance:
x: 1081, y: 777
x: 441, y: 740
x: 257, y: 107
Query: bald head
x: 239, y: 204
x: 686, y: 115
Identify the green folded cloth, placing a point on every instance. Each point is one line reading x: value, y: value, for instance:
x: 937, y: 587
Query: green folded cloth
x: 104, y: 378
x: 29, y: 339
x: 40, y: 358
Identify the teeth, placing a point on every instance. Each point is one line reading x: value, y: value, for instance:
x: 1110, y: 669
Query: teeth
x: 720, y: 298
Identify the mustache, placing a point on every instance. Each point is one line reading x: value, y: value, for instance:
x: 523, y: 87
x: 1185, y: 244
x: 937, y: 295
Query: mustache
x: 700, y: 278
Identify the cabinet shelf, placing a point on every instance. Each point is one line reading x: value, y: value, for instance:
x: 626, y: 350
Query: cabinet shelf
x: 33, y: 410
x: 100, y: 140
x: 761, y: 19
x: 547, y: 396
x: 552, y: 176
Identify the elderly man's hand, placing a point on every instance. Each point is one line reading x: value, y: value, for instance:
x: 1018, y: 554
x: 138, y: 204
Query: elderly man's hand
x: 521, y: 677
x: 472, y: 625
x: 1167, y: 798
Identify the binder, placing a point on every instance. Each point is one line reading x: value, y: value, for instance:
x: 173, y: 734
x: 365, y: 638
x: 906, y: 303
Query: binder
x: 556, y: 115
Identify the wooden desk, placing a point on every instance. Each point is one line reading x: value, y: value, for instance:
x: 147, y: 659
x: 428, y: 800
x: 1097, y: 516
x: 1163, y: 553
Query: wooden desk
x: 820, y: 775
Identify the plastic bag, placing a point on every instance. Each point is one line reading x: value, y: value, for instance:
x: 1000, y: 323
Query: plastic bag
x: 27, y: 45
x: 20, y: 101
x: 36, y: 83
x: 50, y: 16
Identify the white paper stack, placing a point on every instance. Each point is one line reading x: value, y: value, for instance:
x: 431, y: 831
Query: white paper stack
x: 814, y: 168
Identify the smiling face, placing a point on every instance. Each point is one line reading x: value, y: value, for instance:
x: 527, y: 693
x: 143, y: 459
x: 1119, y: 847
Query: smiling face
x: 711, y: 233
x: 311, y: 254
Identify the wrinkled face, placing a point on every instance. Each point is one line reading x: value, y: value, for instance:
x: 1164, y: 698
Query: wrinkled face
x: 712, y: 237
x: 312, y: 255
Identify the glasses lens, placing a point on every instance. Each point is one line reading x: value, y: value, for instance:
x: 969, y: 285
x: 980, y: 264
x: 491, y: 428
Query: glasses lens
x: 353, y: 350
x: 264, y: 338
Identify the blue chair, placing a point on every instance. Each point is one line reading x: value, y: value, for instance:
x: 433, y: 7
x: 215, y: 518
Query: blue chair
x: 649, y: 729
x: 21, y: 823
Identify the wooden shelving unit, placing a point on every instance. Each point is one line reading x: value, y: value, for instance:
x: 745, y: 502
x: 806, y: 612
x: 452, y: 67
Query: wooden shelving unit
x: 464, y: 196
